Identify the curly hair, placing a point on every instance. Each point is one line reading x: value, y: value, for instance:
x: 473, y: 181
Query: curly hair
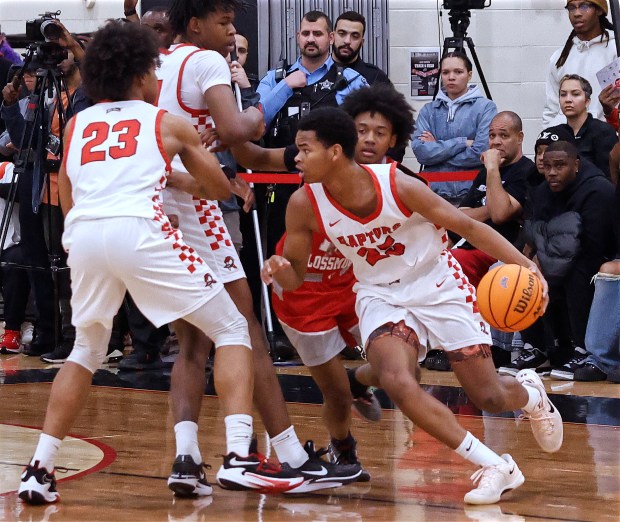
x: 118, y: 53
x: 182, y: 11
x: 332, y: 126
x: 388, y: 102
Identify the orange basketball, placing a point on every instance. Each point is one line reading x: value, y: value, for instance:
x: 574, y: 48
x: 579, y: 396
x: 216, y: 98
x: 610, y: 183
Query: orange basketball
x: 510, y: 298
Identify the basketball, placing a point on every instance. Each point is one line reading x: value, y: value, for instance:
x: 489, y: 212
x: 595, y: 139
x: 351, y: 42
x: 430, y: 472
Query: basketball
x: 510, y: 298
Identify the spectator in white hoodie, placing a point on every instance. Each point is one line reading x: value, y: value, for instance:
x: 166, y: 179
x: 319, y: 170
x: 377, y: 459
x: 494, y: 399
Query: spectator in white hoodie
x: 589, y: 48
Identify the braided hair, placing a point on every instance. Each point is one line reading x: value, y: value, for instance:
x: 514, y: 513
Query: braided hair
x: 604, y: 24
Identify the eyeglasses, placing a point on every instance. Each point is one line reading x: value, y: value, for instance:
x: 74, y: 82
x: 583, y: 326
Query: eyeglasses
x: 584, y: 8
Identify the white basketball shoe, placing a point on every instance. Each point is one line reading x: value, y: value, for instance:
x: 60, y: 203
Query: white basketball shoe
x: 545, y: 419
x: 492, y: 481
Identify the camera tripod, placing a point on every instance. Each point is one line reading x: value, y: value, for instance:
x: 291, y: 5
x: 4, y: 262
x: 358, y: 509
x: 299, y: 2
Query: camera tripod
x: 33, y: 168
x: 459, y: 23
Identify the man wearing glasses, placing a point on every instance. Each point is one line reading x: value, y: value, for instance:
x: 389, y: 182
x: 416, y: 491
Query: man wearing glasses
x: 589, y: 47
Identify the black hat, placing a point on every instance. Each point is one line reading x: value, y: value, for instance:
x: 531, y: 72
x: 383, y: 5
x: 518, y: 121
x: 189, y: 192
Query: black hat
x: 552, y: 134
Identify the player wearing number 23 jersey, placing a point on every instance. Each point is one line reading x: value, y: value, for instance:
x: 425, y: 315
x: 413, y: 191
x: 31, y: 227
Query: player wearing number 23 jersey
x: 127, y: 132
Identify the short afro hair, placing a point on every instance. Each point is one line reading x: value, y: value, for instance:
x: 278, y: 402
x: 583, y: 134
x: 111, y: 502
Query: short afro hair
x: 118, y: 53
x: 332, y: 126
x: 564, y: 146
x: 388, y: 102
x: 182, y: 11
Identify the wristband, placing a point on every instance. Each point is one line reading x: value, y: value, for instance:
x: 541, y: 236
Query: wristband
x: 131, y: 12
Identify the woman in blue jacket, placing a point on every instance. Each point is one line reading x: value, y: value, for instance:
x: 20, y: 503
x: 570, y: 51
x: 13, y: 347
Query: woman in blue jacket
x: 453, y: 130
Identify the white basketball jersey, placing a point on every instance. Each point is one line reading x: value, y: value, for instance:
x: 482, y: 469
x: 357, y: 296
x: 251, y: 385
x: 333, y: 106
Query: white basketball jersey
x: 116, y: 162
x: 185, y: 74
x: 391, y: 243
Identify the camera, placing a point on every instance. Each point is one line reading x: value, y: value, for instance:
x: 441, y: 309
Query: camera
x: 43, y: 29
x: 42, y: 34
x: 466, y: 4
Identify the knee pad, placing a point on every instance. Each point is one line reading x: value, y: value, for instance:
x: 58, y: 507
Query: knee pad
x: 90, y: 347
x: 235, y: 333
x: 227, y: 328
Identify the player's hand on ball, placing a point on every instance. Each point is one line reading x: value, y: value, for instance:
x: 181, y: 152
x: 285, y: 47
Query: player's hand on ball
x: 545, y: 287
x: 272, y: 266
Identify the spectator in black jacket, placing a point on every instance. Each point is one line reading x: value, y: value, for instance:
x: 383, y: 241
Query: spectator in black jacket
x: 349, y: 32
x: 348, y: 40
x: 498, y: 192
x: 594, y: 138
x: 570, y: 235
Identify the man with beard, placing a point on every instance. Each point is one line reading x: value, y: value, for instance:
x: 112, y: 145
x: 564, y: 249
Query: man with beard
x: 310, y: 81
x: 349, y: 34
x: 289, y: 93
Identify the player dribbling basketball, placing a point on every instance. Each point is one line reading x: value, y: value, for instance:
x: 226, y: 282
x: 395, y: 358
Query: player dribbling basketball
x: 410, y: 291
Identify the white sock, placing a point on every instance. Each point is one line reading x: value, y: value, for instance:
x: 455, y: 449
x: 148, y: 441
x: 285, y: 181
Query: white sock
x: 473, y: 450
x: 238, y: 434
x: 533, y: 400
x: 46, y: 451
x: 186, y: 434
x: 289, y: 449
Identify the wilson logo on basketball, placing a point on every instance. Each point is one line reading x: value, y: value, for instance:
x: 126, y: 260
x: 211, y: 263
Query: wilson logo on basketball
x: 229, y: 263
x: 510, y: 298
x: 526, y: 295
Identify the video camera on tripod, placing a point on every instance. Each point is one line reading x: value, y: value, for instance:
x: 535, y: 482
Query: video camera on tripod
x: 459, y: 15
x: 40, y: 150
x: 42, y: 34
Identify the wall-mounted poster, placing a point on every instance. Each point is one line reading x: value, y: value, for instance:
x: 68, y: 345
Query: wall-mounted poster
x: 424, y: 71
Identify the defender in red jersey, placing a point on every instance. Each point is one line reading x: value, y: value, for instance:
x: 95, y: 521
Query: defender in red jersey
x: 319, y: 317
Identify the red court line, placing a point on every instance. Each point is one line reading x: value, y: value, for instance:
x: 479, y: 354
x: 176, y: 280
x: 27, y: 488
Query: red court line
x: 295, y: 179
x: 109, y: 455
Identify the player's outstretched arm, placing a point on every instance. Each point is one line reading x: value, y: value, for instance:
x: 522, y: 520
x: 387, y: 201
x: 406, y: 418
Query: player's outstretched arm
x: 180, y: 137
x: 421, y: 199
x: 289, y: 269
x: 233, y: 127
x: 254, y: 157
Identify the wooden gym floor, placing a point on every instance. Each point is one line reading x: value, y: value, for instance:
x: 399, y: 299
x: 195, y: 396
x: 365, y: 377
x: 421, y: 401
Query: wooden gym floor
x: 123, y: 445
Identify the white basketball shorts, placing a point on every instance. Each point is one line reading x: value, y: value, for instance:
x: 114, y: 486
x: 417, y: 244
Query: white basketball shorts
x: 316, y: 348
x: 437, y: 302
x: 166, y: 277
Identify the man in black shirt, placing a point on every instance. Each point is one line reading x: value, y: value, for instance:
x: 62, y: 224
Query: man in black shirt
x: 571, y: 233
x: 348, y: 40
x: 498, y: 193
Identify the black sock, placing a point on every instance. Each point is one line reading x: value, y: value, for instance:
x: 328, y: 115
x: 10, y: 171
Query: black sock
x: 357, y: 388
x: 343, y: 445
